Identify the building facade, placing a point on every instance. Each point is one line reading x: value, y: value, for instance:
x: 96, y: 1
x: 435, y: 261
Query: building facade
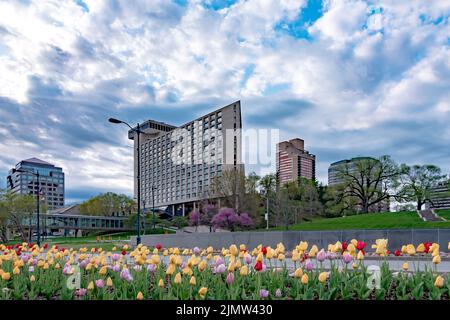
x: 334, y: 179
x: 440, y: 196
x: 51, y: 181
x: 293, y: 161
x: 178, y: 164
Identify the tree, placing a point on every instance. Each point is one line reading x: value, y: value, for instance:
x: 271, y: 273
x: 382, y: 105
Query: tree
x: 239, y: 192
x: 308, y: 195
x: 108, y: 204
x: 285, y: 204
x: 416, y: 183
x: 226, y: 219
x: 370, y: 181
x: 13, y: 209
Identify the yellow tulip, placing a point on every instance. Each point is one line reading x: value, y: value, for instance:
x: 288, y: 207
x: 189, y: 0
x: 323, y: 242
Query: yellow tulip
x: 188, y: 271
x: 354, y: 266
x: 177, y: 279
x: 91, y: 285
x: 281, y: 257
x: 439, y: 282
x: 202, y: 292
x: 298, y: 273
x: 449, y: 246
x: 260, y: 256
x: 304, y: 279
x: 161, y: 283
x: 32, y: 278
x: 405, y: 266
x: 16, y: 271
x: 170, y: 269
x: 437, y: 259
x: 360, y: 255
x: 202, y: 266
x: 192, y: 282
x: 243, y: 271
x: 313, y: 252
x: 295, y: 256
x: 410, y: 249
x: 323, y: 277
x: 420, y: 248
x: 140, y: 296
x: 45, y: 266
x: 6, y: 276
x: 57, y: 266
x: 234, y: 250
x: 103, y: 270
x: 109, y: 282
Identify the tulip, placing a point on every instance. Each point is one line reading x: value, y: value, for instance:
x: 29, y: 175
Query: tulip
x: 243, y: 271
x: 347, y: 258
x: 234, y: 250
x: 140, y: 296
x: 298, y: 273
x: 202, y: 292
x: 304, y: 279
x: 397, y: 253
x: 91, y: 285
x: 220, y: 268
x: 437, y: 259
x: 109, y: 282
x: 80, y: 292
x: 309, y: 265
x: 202, y: 266
x: 405, y: 266
x: 32, y: 278
x: 230, y: 278
x: 278, y: 293
x: 170, y: 269
x: 321, y: 256
x: 196, y: 250
x: 360, y: 256
x: 354, y: 266
x: 323, y: 277
x: 263, y: 293
x: 439, y: 282
x: 177, y: 279
x: 6, y: 276
x: 258, y: 266
x: 192, y: 281
x: 102, y: 271
x: 420, y: 248
x: 16, y: 271
x: 151, y: 268
x: 99, y: 283
x: 410, y: 250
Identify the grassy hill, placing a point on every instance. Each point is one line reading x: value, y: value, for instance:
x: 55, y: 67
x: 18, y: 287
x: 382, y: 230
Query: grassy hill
x: 385, y: 220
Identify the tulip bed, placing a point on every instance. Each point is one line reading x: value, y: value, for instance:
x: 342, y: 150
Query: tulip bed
x: 30, y: 272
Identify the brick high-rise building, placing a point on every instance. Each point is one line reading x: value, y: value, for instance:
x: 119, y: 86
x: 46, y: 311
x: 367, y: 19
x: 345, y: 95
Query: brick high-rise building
x: 293, y: 161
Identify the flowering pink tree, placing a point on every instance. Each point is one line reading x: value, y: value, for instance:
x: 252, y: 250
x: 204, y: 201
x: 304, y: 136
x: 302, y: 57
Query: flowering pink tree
x: 226, y: 219
x: 245, y: 220
x: 195, y: 218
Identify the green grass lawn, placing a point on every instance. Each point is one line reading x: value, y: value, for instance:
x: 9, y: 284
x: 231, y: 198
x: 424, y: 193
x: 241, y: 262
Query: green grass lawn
x: 385, y: 220
x: 444, y: 214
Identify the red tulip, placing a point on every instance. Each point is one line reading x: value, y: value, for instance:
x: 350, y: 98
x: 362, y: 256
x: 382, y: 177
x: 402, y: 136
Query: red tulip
x: 258, y: 266
x: 158, y: 246
x: 360, y: 245
x: 304, y: 257
x: 344, y: 246
x: 46, y: 246
x: 124, y: 252
x: 18, y: 252
x: 427, y: 247
x: 264, y: 250
x: 30, y: 245
x: 397, y: 253
x: 62, y: 249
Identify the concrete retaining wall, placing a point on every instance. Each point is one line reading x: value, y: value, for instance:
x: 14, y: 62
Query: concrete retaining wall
x: 290, y: 239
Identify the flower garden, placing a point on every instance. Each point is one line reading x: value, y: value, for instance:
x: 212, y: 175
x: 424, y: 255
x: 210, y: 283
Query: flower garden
x: 337, y: 272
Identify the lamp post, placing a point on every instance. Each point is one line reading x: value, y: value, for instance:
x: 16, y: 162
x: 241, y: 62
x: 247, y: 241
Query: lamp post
x: 37, y: 205
x: 153, y: 207
x: 138, y: 131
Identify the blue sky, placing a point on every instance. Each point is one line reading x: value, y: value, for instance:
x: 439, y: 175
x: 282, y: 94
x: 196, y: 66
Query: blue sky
x: 350, y: 77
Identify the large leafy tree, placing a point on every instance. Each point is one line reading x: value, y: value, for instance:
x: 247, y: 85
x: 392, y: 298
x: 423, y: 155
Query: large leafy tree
x: 13, y: 209
x: 108, y: 204
x: 416, y: 182
x: 368, y: 180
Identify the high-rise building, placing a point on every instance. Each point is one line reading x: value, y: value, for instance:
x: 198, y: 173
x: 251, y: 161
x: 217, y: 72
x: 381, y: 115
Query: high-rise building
x: 51, y: 181
x: 293, y: 161
x: 351, y: 166
x: 178, y: 164
x: 440, y: 196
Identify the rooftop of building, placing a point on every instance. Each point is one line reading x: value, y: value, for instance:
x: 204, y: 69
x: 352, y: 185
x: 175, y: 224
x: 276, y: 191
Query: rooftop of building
x: 37, y: 161
x: 351, y: 160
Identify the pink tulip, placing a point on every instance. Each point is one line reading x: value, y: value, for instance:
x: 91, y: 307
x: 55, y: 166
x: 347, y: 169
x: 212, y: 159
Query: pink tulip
x: 230, y: 278
x: 321, y: 256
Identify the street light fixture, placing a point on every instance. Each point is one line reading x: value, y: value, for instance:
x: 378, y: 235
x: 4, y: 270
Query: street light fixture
x: 153, y: 207
x: 138, y: 131
x: 36, y: 174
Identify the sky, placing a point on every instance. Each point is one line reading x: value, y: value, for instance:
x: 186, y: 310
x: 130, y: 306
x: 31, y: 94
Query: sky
x: 351, y: 78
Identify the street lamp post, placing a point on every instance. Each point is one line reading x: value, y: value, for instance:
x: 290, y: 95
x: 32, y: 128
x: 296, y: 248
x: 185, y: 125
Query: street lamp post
x: 138, y: 131
x: 153, y: 207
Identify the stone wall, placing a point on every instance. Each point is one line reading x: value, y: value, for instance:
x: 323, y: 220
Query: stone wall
x: 290, y: 239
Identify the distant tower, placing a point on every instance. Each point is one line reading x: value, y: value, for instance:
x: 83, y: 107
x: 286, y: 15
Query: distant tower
x: 293, y: 161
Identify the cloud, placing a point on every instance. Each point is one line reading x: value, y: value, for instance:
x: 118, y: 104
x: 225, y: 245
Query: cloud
x: 350, y: 77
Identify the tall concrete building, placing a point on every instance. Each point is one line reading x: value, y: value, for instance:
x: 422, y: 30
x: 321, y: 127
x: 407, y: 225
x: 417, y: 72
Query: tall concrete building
x: 293, y: 161
x: 440, y: 196
x: 178, y: 164
x: 334, y: 178
x: 51, y: 181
